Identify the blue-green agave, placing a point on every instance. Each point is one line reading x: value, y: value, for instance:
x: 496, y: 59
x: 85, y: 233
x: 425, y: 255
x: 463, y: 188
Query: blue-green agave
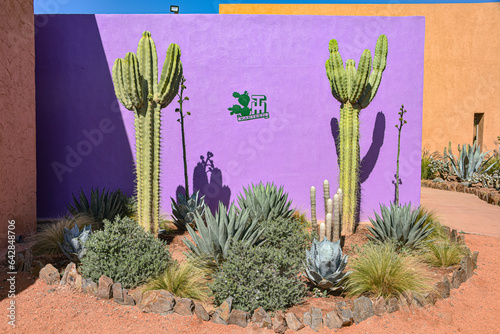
x: 469, y: 161
x: 73, y: 245
x: 265, y: 202
x: 325, y: 264
x: 184, y: 209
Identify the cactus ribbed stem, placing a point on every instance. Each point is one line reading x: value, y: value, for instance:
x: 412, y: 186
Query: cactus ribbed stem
x: 321, y: 231
x: 326, y: 194
x: 329, y: 223
x: 336, y: 218
x: 314, y: 220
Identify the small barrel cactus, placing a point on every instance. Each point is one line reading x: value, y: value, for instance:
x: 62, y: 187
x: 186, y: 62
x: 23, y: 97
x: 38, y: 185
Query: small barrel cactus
x: 73, y: 245
x: 325, y: 264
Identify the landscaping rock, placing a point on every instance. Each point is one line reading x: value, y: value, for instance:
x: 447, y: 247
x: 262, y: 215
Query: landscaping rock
x: 345, y: 314
x: 200, y: 312
x: 262, y: 318
x: 221, y: 315
x: 127, y: 299
x: 474, y: 258
x: 363, y: 309
x: 332, y: 320
x: 157, y: 301
x: 239, y: 318
x: 392, y: 305
x: 467, y: 264
x: 279, y: 322
x: 28, y: 260
x: 117, y: 293
x: 90, y: 287
x: 105, y: 288
x: 447, y: 230
x: 453, y: 235
x: 418, y: 301
x: 443, y: 288
x: 137, y: 296
x: 19, y: 262
x: 50, y: 275
x: 459, y: 276
x: 460, y: 239
x: 35, y: 268
x: 293, y: 322
x: 314, y: 319
x: 379, y: 306
x: 72, y: 278
x: 432, y: 297
x: 184, y: 306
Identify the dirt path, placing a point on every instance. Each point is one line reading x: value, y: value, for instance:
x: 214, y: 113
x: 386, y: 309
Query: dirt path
x: 473, y: 308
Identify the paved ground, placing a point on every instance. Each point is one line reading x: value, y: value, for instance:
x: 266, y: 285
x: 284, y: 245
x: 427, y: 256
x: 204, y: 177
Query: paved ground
x: 464, y: 212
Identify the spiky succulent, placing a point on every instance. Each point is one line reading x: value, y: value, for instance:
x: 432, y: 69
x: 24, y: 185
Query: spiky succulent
x: 184, y: 209
x: 265, y: 202
x: 325, y: 264
x: 469, y: 161
x: 73, y: 245
x: 401, y: 225
x: 217, y: 232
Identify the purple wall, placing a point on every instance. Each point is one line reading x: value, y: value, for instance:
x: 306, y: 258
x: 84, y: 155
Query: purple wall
x: 279, y: 56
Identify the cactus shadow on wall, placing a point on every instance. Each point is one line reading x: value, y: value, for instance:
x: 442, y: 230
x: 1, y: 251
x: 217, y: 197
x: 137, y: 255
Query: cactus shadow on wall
x: 369, y: 161
x: 213, y: 189
x: 81, y: 140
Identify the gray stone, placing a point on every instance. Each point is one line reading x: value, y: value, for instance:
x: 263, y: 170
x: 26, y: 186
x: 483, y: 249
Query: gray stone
x: 460, y: 239
x: 200, y: 312
x: 19, y: 262
x: 239, y: 318
x: 117, y: 293
x: 137, y: 295
x: 157, y: 301
x: 184, y: 306
x: 345, y: 314
x: 279, y: 322
x: 90, y: 287
x: 474, y: 258
x: 262, y: 318
x: 419, y: 301
x: 392, y: 305
x: 50, y: 275
x: 316, y: 319
x: 459, y: 276
x: 105, y: 288
x: 222, y: 314
x: 72, y: 278
x: 28, y: 260
x: 293, y: 322
x: 443, y: 288
x: 332, y: 320
x: 432, y: 297
x: 467, y: 264
x: 447, y: 230
x: 36, y: 267
x: 127, y: 299
x: 453, y: 235
x: 363, y: 309
x: 379, y: 306
x: 307, y: 318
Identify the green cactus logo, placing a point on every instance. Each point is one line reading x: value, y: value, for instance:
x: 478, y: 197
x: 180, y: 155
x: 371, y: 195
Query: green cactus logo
x: 258, y: 108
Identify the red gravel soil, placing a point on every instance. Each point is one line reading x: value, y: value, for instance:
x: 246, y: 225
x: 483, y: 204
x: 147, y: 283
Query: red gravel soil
x: 40, y: 308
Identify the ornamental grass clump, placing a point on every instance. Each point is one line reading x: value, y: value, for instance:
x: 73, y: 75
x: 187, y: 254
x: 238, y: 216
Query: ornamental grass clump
x: 443, y: 254
x: 126, y: 253
x: 379, y: 270
x: 184, y: 280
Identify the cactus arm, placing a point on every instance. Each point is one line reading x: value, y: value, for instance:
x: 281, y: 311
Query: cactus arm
x: 171, y: 76
x: 125, y: 73
x: 358, y: 85
x: 379, y: 64
x: 337, y: 75
x: 148, y: 63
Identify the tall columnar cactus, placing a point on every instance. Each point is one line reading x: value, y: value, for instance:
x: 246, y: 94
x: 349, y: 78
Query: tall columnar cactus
x: 314, y: 220
x: 354, y: 89
x: 326, y: 194
x: 135, y: 78
x: 336, y: 217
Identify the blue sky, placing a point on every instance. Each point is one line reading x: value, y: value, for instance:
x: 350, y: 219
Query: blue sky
x: 186, y: 6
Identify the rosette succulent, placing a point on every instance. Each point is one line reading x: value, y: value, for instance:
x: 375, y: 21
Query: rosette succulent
x: 325, y: 264
x: 73, y: 245
x: 184, y: 209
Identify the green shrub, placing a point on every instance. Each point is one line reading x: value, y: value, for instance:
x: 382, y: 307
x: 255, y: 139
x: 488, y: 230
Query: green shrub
x: 47, y: 241
x: 124, y: 252
x: 288, y: 235
x: 258, y: 276
x: 443, y: 254
x: 379, y: 270
x: 184, y: 280
x: 102, y: 205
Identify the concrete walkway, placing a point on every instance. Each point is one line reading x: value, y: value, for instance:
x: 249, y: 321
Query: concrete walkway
x: 461, y: 211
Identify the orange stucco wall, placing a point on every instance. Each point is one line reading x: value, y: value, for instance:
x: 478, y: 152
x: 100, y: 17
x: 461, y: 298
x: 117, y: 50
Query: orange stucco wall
x: 462, y: 67
x: 17, y: 118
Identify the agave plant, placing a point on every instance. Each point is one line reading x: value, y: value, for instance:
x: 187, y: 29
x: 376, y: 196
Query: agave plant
x: 73, y: 245
x: 216, y: 234
x: 401, y: 225
x: 470, y: 160
x: 102, y: 205
x: 325, y: 264
x: 265, y: 202
x: 184, y: 209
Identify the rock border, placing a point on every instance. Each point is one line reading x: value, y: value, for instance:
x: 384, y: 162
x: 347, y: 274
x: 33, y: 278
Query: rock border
x: 345, y: 313
x: 481, y: 193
